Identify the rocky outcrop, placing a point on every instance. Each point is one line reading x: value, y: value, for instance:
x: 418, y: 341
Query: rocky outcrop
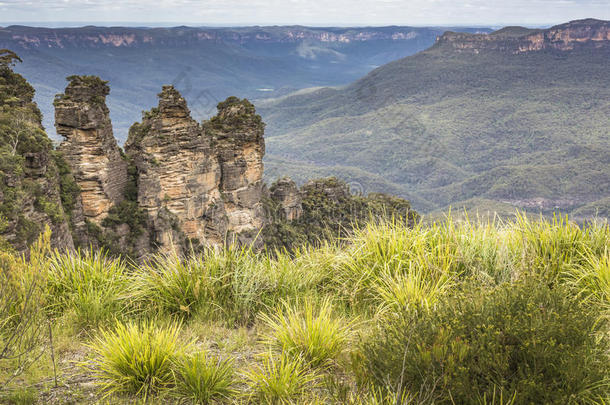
x: 589, y: 33
x: 237, y: 133
x: 199, y: 184
x: 287, y: 194
x: 178, y: 175
x: 180, y: 184
x: 96, y: 161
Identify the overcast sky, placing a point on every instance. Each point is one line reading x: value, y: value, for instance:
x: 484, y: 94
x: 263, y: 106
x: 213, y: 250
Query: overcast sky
x: 307, y: 12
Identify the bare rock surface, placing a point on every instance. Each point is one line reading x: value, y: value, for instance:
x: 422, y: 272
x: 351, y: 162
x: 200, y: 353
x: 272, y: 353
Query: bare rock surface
x: 96, y: 161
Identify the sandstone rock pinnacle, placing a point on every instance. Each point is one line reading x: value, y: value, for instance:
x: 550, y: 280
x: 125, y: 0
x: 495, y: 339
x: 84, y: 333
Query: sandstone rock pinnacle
x: 82, y: 118
x: 178, y: 175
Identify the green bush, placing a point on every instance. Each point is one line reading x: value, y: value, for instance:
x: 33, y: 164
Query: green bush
x: 229, y: 285
x: 89, y: 285
x: 524, y: 339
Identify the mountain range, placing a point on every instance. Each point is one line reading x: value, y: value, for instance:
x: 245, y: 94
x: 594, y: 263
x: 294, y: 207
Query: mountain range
x: 207, y: 65
x: 515, y: 118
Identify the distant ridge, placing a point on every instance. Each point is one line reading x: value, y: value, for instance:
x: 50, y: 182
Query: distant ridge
x: 207, y: 64
x: 590, y: 33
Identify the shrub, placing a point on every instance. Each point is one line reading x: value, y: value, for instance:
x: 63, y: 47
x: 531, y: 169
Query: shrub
x: 136, y: 358
x: 89, y: 284
x: 525, y: 339
x: 280, y: 381
x: 553, y: 248
x: 203, y: 380
x: 391, y: 248
x: 231, y: 285
x: 312, y: 332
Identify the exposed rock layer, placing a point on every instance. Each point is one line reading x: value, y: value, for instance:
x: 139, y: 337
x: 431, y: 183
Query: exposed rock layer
x: 82, y: 118
x: 178, y: 175
x: 565, y: 37
x: 238, y: 141
x: 200, y: 184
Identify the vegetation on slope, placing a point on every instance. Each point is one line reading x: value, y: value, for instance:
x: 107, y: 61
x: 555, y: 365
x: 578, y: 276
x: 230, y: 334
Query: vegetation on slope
x: 529, y: 129
x: 454, y: 312
x: 30, y: 179
x: 330, y: 212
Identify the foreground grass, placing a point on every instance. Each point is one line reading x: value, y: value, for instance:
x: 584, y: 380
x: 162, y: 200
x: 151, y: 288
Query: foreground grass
x: 331, y: 324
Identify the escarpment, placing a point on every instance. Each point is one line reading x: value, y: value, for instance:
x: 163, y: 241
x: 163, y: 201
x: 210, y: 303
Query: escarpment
x: 580, y: 34
x: 89, y: 147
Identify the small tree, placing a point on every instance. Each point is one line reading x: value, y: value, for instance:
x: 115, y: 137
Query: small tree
x: 8, y: 58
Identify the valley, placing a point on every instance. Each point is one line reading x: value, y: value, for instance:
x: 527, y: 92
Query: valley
x: 508, y: 117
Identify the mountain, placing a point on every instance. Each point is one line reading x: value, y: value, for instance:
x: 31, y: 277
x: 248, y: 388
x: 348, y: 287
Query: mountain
x: 518, y: 117
x: 207, y: 65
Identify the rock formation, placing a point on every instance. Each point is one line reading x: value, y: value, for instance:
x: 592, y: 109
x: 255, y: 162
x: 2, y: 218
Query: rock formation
x: 199, y: 184
x: 178, y: 175
x: 237, y: 132
x: 180, y: 184
x: 287, y: 194
x: 96, y: 161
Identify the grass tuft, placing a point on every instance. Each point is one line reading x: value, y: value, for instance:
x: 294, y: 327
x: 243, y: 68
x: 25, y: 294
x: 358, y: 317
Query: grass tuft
x: 280, y: 381
x: 90, y: 285
x: 202, y: 380
x: 136, y: 358
x: 313, y: 332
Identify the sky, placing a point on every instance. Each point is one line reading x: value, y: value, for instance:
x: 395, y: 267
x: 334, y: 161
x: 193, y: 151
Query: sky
x: 305, y: 12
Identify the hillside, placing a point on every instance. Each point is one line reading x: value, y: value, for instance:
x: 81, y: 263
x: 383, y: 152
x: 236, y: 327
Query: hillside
x: 518, y: 116
x: 206, y: 65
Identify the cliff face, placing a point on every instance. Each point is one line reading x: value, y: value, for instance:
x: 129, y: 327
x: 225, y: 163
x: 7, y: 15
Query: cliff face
x: 199, y: 184
x: 565, y: 37
x: 178, y: 175
x: 96, y: 162
x: 126, y: 37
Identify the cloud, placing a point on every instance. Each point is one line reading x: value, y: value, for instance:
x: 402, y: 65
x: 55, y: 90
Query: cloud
x: 318, y: 12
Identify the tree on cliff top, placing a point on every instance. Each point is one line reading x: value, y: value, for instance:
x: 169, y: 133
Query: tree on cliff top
x: 8, y: 58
